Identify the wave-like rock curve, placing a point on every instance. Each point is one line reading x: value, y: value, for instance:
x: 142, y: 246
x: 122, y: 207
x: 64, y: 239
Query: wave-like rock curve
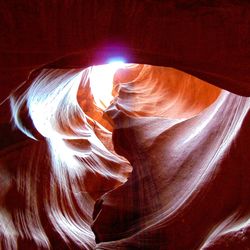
x: 160, y: 167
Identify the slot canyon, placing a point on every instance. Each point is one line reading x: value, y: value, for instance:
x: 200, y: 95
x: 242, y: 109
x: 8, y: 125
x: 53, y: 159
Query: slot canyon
x: 124, y: 125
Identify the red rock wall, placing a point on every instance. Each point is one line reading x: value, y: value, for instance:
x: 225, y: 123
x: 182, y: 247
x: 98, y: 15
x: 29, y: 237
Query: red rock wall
x: 189, y: 185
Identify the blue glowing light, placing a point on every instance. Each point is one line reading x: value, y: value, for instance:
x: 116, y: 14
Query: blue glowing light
x: 117, y: 61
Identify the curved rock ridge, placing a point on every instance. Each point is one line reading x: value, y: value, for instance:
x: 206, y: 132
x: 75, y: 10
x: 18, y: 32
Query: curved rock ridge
x: 149, y: 91
x: 156, y: 162
x: 186, y: 190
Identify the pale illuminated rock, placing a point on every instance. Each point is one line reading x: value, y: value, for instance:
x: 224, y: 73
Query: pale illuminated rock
x: 160, y: 167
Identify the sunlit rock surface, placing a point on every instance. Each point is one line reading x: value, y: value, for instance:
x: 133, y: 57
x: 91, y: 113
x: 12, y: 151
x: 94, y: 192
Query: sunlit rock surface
x: 186, y: 185
x: 160, y: 162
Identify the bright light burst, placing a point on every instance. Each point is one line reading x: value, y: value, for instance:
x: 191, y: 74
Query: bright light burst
x: 101, y: 82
